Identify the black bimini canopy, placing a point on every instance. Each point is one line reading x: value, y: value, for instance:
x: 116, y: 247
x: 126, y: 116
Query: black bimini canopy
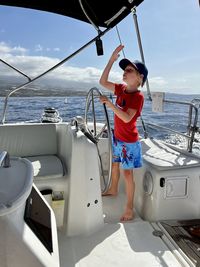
x: 102, y: 13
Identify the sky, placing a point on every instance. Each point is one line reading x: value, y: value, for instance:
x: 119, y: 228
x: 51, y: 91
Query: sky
x: 34, y: 41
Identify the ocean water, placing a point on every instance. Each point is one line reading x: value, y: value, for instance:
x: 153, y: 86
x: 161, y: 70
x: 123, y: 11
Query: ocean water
x: 175, y: 116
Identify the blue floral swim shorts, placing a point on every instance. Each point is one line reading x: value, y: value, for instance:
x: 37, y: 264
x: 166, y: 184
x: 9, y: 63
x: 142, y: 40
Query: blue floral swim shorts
x: 129, y: 154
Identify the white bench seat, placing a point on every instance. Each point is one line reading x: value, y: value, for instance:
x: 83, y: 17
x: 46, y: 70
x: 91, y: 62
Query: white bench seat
x: 36, y: 142
x: 48, y: 166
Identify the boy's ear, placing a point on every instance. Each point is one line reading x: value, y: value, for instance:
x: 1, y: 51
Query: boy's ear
x: 142, y: 77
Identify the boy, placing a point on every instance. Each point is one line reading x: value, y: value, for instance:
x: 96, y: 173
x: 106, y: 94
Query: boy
x: 126, y: 145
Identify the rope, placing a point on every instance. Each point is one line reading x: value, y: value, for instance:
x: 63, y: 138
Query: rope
x: 142, y: 55
x: 120, y: 39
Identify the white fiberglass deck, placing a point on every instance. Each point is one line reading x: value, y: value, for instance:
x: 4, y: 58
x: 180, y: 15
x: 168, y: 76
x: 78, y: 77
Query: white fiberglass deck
x: 127, y: 244
x: 116, y: 244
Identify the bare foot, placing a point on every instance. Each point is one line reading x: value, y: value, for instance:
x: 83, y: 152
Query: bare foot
x: 127, y: 216
x: 109, y: 192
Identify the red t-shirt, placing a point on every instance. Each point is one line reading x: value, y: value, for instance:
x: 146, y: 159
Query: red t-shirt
x: 127, y: 132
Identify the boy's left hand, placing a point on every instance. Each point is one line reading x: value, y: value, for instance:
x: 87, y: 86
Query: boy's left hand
x: 105, y: 100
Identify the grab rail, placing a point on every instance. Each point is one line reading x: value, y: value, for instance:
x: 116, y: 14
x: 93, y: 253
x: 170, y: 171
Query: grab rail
x: 192, y: 129
x: 13, y: 91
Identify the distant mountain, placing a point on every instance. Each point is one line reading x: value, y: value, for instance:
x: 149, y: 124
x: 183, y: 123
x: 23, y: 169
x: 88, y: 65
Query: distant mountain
x: 45, y: 87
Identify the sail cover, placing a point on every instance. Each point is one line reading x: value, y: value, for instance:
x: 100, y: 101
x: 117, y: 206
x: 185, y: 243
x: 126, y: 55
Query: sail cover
x: 102, y: 13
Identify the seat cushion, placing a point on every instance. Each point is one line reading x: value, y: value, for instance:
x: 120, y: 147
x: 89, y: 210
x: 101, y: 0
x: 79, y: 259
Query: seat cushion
x: 48, y: 166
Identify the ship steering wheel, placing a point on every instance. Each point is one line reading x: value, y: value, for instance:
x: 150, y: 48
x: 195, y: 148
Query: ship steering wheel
x: 97, y: 133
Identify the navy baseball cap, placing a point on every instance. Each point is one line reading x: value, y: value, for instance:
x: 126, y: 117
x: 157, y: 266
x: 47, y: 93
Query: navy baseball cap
x: 139, y: 66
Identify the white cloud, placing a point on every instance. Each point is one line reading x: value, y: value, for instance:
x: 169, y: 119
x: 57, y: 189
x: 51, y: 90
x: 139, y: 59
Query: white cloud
x: 38, y: 48
x: 36, y: 65
x: 6, y: 49
x: 69, y: 75
x: 20, y: 49
x: 57, y: 49
x: 158, y: 81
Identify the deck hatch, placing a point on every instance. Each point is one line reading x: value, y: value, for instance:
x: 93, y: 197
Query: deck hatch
x: 176, y: 187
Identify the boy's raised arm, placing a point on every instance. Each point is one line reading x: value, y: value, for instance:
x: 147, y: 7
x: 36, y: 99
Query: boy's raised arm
x: 104, y: 77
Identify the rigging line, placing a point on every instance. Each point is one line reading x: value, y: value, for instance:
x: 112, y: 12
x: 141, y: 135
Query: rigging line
x: 140, y: 48
x: 89, y: 19
x: 99, y: 44
x: 143, y: 124
x: 120, y: 39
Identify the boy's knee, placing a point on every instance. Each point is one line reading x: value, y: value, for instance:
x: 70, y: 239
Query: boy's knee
x: 128, y: 173
x: 115, y: 165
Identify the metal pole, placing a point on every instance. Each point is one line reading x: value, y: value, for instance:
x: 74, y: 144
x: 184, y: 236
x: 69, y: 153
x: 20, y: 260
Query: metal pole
x: 140, y: 48
x: 19, y: 71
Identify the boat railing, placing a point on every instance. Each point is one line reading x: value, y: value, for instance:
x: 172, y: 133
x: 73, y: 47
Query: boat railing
x: 192, y: 126
x: 15, y: 88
